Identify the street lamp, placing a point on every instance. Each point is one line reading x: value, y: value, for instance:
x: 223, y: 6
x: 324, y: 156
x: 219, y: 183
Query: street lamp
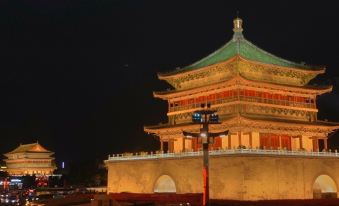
x: 204, y: 117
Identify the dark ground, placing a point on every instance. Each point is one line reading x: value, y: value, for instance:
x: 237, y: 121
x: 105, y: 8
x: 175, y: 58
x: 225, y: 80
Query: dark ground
x: 323, y: 202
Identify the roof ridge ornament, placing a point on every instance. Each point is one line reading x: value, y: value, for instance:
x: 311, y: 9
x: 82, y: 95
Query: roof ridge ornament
x: 237, y: 24
x: 237, y: 27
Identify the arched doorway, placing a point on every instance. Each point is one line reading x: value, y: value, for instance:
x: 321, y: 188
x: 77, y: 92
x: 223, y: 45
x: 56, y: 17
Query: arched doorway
x: 164, y: 184
x: 324, y: 187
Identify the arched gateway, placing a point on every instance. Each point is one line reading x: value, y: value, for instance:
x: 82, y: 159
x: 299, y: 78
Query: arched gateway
x: 324, y: 187
x: 164, y: 184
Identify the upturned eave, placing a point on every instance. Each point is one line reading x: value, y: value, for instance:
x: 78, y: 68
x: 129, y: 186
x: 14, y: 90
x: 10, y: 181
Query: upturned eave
x: 242, y: 120
x: 179, y: 73
x: 166, y: 95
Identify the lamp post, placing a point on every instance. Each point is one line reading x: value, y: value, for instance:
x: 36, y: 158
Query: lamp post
x: 204, y: 117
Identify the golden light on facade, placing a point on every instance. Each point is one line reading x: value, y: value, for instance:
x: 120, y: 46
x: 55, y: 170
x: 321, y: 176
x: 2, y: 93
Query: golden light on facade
x: 29, y: 159
x: 273, y: 149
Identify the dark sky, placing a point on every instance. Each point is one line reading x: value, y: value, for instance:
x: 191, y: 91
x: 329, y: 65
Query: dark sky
x: 78, y: 75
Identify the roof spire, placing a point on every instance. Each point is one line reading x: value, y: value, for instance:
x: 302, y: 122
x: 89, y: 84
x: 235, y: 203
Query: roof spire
x: 237, y: 24
x: 237, y: 28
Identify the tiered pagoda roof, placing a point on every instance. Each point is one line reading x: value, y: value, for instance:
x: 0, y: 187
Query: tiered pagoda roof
x: 241, y: 64
x: 307, y: 89
x: 29, y: 148
x: 240, y: 57
x: 30, y: 159
x: 244, y: 122
x: 238, y: 45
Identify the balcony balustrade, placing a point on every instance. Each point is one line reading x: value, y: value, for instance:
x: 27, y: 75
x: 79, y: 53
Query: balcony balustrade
x: 222, y: 152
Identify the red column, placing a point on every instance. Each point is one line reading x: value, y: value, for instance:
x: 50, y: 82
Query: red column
x: 315, y: 144
x: 183, y: 144
x: 239, y: 136
x: 171, y: 145
x: 325, y: 144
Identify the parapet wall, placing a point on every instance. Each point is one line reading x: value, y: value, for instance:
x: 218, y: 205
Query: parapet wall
x: 238, y: 176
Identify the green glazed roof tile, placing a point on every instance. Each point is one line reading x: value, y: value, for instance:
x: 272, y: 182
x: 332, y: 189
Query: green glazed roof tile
x: 238, y: 45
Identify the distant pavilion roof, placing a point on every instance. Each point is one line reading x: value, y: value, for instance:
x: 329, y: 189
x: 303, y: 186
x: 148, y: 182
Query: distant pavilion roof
x: 238, y: 45
x: 34, y: 147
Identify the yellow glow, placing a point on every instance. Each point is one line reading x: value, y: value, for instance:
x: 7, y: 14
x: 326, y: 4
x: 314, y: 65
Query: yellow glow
x: 165, y: 184
x: 324, y: 183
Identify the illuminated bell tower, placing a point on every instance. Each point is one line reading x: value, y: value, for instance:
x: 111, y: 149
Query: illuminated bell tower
x: 264, y: 101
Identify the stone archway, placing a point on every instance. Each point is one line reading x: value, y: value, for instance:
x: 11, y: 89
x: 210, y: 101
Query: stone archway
x: 165, y: 184
x: 324, y: 187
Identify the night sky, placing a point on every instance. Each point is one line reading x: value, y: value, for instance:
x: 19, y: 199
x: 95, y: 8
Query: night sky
x: 78, y: 75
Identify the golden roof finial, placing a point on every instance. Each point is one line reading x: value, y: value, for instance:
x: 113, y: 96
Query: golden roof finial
x: 237, y: 24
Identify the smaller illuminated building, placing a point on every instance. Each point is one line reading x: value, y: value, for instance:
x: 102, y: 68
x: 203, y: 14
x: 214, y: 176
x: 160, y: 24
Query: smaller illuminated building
x: 30, y: 159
